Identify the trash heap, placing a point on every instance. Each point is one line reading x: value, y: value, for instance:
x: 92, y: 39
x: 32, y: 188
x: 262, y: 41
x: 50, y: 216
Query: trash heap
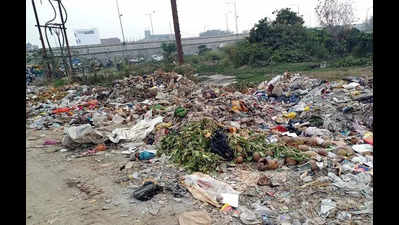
x: 292, y: 133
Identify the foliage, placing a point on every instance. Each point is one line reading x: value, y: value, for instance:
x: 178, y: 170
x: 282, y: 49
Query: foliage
x: 180, y: 112
x: 169, y: 51
x: 246, y: 146
x: 287, y: 17
x: 352, y: 61
x: 243, y: 85
x: 190, y: 146
x: 286, y: 40
x: 59, y: 83
x: 185, y: 69
x: 245, y: 53
x: 202, y: 49
x: 335, y: 13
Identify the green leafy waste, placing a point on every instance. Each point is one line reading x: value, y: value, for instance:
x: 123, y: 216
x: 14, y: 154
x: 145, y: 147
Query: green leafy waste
x: 257, y: 142
x: 180, y: 112
x: 190, y: 147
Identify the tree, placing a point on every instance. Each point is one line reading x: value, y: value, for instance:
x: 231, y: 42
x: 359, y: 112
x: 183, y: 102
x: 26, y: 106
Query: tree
x: 334, y: 14
x: 286, y: 30
x: 284, y: 37
x: 287, y: 17
x: 202, y: 49
x: 169, y: 50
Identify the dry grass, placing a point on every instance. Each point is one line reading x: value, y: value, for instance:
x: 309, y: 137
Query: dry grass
x: 339, y: 73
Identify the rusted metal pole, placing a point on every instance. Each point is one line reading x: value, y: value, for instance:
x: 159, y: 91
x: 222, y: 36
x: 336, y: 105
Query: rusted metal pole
x: 177, y: 32
x: 41, y: 38
x: 66, y: 37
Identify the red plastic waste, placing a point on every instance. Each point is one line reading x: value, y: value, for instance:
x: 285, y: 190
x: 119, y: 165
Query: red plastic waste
x: 280, y: 128
x: 50, y: 142
x: 61, y: 110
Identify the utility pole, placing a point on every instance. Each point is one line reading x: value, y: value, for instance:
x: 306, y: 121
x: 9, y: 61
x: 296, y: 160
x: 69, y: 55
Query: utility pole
x: 120, y: 20
x: 66, y: 37
x: 150, y: 16
x: 41, y: 37
x: 235, y: 13
x: 123, y: 35
x: 227, y: 21
x: 177, y: 32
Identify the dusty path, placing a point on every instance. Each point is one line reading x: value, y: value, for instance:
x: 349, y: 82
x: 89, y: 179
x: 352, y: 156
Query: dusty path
x: 85, y: 190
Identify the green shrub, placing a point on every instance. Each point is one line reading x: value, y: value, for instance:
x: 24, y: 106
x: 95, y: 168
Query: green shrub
x: 352, y: 61
x: 214, y: 55
x: 167, y: 67
x: 202, y: 49
x: 185, y: 69
x: 59, y: 83
x: 169, y: 51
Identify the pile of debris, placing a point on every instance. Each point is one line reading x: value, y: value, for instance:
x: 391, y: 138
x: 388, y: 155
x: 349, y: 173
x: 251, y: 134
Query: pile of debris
x: 287, y: 138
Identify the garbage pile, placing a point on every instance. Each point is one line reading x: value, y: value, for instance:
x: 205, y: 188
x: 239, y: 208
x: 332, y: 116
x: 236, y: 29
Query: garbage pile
x: 290, y: 138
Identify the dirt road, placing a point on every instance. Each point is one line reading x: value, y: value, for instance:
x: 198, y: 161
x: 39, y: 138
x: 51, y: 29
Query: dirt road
x: 87, y: 190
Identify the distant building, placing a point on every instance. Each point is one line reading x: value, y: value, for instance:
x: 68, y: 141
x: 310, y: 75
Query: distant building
x: 156, y: 37
x: 87, y: 36
x: 213, y: 33
x: 110, y: 41
x: 30, y: 47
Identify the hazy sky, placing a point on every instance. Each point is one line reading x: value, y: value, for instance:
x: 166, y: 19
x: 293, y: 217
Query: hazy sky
x: 195, y: 16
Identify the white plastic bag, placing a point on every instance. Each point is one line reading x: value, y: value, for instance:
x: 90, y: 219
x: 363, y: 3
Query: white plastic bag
x: 137, y: 133
x: 207, y: 189
x: 82, y: 134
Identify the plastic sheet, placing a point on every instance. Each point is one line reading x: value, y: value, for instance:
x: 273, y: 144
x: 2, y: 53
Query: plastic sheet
x: 207, y: 189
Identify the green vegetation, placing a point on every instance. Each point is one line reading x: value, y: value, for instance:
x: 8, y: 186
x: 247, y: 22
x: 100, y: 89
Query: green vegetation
x: 273, y: 47
x: 190, y: 147
x: 169, y: 51
x: 59, y: 83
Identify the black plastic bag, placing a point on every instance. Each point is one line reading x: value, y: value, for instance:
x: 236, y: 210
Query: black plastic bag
x: 147, y: 191
x: 220, y: 146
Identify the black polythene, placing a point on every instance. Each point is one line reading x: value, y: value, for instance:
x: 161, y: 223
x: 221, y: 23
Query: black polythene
x: 220, y: 146
x: 147, y: 191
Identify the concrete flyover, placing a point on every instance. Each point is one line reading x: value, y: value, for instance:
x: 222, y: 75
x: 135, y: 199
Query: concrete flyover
x: 146, y: 49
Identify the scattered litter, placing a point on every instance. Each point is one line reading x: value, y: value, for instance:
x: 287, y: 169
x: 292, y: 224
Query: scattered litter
x: 326, y: 206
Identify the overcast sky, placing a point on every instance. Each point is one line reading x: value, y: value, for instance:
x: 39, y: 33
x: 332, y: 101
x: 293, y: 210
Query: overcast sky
x: 194, y: 16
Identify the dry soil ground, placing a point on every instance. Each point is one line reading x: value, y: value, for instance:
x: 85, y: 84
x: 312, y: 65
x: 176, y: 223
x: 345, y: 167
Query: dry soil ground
x: 85, y: 190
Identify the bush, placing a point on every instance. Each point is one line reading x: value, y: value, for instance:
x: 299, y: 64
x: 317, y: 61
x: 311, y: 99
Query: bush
x: 352, y: 61
x: 286, y: 40
x: 185, y: 69
x: 202, y: 49
x: 167, y: 67
x: 59, y: 83
x: 169, y: 51
x: 214, y: 55
x: 245, y: 53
